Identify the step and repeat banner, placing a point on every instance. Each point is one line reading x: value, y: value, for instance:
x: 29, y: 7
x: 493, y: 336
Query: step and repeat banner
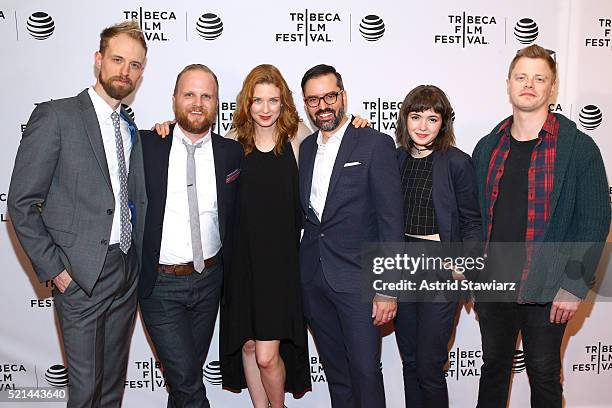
x: 383, y: 49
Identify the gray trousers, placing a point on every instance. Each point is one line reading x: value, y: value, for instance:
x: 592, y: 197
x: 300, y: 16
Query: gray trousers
x: 97, y: 331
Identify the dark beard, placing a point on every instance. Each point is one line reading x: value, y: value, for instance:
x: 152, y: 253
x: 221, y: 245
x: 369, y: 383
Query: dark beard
x: 328, y: 126
x: 199, y: 127
x: 115, y: 92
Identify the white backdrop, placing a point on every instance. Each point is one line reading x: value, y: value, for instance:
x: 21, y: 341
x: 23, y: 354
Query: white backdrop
x: 465, y: 49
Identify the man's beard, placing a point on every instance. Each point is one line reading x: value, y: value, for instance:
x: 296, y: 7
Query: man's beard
x: 193, y: 126
x: 329, y: 125
x: 114, y: 91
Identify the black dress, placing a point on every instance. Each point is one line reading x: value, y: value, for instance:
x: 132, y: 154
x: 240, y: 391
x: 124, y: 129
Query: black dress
x: 262, y: 296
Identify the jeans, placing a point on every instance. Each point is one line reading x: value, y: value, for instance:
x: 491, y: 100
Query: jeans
x: 500, y: 324
x: 180, y: 317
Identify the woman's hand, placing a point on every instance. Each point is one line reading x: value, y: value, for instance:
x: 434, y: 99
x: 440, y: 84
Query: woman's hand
x: 360, y: 122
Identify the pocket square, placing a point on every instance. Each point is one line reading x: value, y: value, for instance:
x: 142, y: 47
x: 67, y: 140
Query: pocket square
x: 232, y: 176
x: 351, y: 164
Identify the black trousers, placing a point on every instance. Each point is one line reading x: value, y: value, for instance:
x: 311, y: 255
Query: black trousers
x: 500, y: 324
x: 180, y: 317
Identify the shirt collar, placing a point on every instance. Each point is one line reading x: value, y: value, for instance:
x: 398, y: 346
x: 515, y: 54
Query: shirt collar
x: 337, y: 136
x: 180, y: 135
x: 548, y: 126
x: 103, y: 109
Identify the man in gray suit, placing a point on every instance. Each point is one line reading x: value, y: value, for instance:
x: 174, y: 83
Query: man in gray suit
x: 77, y: 202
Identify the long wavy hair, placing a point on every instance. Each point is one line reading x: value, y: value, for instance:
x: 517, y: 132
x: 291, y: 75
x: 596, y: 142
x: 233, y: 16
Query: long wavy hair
x: 287, y: 124
x: 420, y: 99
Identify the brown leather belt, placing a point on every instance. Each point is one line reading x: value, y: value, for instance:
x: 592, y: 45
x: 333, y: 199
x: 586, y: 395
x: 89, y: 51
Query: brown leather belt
x: 185, y: 269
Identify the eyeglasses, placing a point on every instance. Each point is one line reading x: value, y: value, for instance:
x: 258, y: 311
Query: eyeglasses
x: 330, y: 99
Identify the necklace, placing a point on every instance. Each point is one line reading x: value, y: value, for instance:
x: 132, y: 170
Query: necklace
x: 419, y: 151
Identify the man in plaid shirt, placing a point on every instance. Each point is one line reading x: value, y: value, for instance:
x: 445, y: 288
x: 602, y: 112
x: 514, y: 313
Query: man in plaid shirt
x: 542, y: 183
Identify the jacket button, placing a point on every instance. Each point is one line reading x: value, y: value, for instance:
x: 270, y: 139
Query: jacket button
x: 109, y: 211
x: 104, y: 242
x: 322, y: 235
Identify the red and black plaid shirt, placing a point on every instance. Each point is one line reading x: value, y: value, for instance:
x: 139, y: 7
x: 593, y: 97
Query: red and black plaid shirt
x: 539, y: 183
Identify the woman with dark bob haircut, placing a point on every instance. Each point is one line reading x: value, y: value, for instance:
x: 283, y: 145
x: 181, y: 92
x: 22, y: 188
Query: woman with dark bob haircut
x: 440, y: 204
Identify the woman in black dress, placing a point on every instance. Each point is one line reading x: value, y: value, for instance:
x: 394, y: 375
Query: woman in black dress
x: 263, y: 333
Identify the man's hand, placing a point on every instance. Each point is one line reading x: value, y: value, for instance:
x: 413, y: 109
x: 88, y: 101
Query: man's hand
x: 564, y: 307
x: 163, y: 129
x: 360, y: 122
x: 383, y: 309
x: 62, y: 281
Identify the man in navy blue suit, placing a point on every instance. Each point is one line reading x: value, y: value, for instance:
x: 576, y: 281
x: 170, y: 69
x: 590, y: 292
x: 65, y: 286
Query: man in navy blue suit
x: 350, y: 194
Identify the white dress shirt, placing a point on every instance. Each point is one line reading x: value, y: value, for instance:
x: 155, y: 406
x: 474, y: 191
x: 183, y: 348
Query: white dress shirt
x: 103, y: 112
x: 176, y: 233
x: 323, y: 167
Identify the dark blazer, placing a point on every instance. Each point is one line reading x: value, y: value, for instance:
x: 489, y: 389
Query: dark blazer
x: 61, y: 200
x: 364, y: 204
x: 156, y: 152
x: 454, y: 194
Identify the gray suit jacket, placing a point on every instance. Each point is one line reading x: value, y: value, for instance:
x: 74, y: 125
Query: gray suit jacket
x: 60, y: 199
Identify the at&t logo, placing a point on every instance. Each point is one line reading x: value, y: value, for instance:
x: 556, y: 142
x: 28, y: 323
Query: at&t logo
x: 590, y: 117
x: 526, y: 31
x: 209, y: 26
x: 57, y: 376
x: 518, y: 361
x: 310, y: 27
x: 152, y: 22
x: 128, y: 109
x: 372, y: 27
x: 466, y: 30
x: 40, y: 25
x: 212, y: 373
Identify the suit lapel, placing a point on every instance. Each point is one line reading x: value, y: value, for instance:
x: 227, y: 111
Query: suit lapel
x: 219, y: 155
x: 347, y: 145
x: 92, y: 127
x: 307, y: 159
x: 164, y: 161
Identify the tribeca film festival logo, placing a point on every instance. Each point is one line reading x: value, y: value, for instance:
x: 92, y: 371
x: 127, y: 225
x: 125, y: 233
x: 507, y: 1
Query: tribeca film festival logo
x: 598, y: 359
x: 225, y: 115
x: 372, y: 27
x: 40, y: 25
x: 464, y: 363
x: 209, y: 26
x: 466, y: 30
x: 3, y: 215
x: 590, y: 117
x: 152, y: 22
x: 11, y: 374
x: 603, y: 40
x: 148, y: 376
x: 57, y: 376
x: 310, y: 27
x: 382, y: 114
x: 526, y: 31
x: 317, y: 374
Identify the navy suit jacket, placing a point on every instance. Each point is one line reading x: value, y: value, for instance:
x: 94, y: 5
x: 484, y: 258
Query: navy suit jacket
x: 364, y: 204
x: 156, y: 152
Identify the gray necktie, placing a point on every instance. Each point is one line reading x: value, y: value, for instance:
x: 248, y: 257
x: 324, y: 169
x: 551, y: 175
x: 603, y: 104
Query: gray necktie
x: 194, y: 211
x: 125, y: 235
